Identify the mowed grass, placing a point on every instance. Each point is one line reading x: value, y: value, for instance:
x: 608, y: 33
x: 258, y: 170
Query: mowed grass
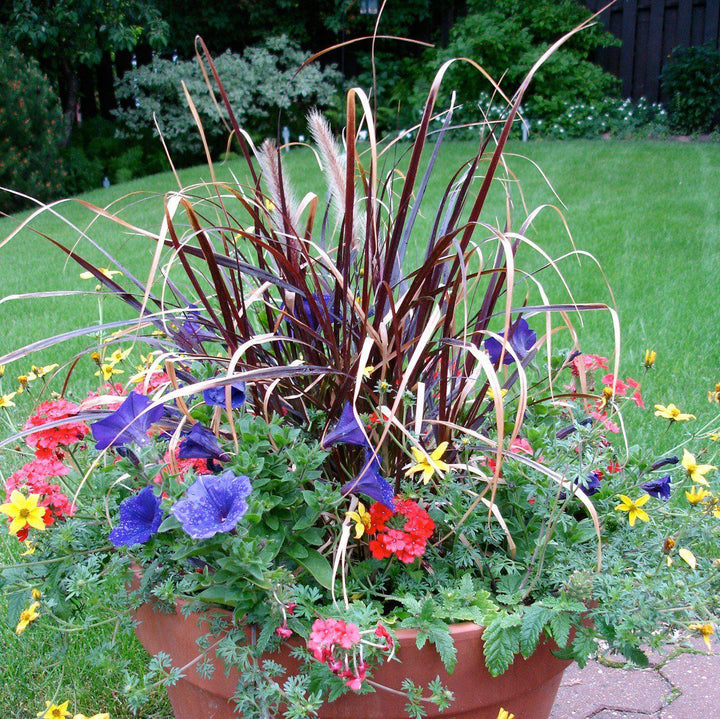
x: 648, y: 211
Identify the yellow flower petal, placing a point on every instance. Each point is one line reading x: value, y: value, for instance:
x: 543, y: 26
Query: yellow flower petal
x: 688, y: 557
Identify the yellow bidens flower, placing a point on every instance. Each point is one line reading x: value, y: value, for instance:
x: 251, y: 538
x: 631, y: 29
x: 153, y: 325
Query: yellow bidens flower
x: 36, y: 594
x: 696, y: 471
x: 714, y: 395
x: 491, y: 394
x: 23, y: 511
x: 706, y: 631
x: 505, y: 714
x: 104, y: 271
x: 42, y: 371
x: 6, y: 399
x: 55, y: 711
x: 633, y: 508
x: 26, y: 616
x: 367, y: 371
x: 361, y: 518
x: 107, y: 371
x: 696, y: 495
x: 2, y: 370
x: 428, y: 464
x: 672, y: 413
x: 650, y: 356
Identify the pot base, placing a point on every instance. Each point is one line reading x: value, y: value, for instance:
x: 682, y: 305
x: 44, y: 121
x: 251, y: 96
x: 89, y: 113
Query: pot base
x: 527, y: 689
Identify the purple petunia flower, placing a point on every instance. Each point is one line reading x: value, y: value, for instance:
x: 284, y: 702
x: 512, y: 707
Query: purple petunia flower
x: 215, y: 396
x: 307, y: 315
x: 140, y: 517
x: 659, y: 488
x: 664, y: 462
x: 194, y: 330
x: 213, y: 504
x: 590, y: 484
x: 128, y: 423
x: 201, y: 443
x: 370, y: 483
x: 347, y: 430
x: 522, y: 339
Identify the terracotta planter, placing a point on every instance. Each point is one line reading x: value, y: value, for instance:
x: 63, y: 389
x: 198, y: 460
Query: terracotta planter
x: 527, y: 689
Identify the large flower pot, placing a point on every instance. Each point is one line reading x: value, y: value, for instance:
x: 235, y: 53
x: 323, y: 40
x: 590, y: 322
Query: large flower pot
x: 527, y: 689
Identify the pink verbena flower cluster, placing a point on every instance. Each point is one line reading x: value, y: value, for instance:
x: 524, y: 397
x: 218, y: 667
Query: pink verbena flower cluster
x: 339, y: 644
x: 56, y: 431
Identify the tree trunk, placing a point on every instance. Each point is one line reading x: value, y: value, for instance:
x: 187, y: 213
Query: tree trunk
x: 106, y: 86
x: 88, y: 101
x: 70, y: 103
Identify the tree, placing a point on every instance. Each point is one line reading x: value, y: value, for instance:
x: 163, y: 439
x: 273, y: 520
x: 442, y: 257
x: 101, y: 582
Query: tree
x: 70, y: 38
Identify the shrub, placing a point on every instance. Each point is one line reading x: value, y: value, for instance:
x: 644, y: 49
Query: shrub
x: 260, y: 83
x: 31, y: 129
x: 507, y: 36
x: 691, y: 82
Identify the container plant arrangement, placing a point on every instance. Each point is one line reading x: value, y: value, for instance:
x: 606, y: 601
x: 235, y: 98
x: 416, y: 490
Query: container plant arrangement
x: 343, y: 446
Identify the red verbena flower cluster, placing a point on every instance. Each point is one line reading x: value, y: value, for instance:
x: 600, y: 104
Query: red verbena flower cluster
x: 64, y: 434
x: 49, y: 443
x: 407, y: 543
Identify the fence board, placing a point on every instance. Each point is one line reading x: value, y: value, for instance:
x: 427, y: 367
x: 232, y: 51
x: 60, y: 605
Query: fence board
x: 649, y: 31
x: 712, y: 21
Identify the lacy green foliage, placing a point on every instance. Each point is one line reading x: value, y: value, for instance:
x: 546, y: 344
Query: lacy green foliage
x: 690, y: 80
x: 31, y: 130
x: 260, y: 83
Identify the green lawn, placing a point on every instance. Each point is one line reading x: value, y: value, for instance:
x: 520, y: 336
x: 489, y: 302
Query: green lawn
x: 649, y: 212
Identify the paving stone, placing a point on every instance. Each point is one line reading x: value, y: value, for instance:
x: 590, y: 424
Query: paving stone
x: 697, y: 678
x: 586, y: 692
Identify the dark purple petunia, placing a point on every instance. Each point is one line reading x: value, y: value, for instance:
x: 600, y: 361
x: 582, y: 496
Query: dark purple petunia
x: 213, y: 504
x: 370, y: 483
x: 590, y: 484
x: 128, y: 423
x: 194, y: 330
x: 307, y: 315
x: 347, y: 430
x: 659, y: 487
x: 140, y: 517
x: 664, y: 462
x: 201, y: 443
x: 215, y: 396
x: 522, y: 339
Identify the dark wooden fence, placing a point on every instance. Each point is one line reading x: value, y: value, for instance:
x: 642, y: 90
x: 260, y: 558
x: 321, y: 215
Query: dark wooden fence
x: 650, y: 30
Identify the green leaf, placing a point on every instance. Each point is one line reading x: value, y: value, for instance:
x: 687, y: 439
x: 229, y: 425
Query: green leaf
x: 560, y: 624
x: 315, y: 563
x: 534, y: 620
x: 501, y: 642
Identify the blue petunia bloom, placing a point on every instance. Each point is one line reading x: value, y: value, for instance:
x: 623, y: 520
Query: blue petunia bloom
x: 194, y: 330
x: 140, y: 517
x: 590, y: 484
x: 213, y: 504
x: 370, y: 483
x: 201, y: 443
x: 307, y: 315
x: 128, y: 423
x: 522, y: 339
x: 659, y: 488
x: 347, y: 430
x: 664, y: 462
x: 215, y: 396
